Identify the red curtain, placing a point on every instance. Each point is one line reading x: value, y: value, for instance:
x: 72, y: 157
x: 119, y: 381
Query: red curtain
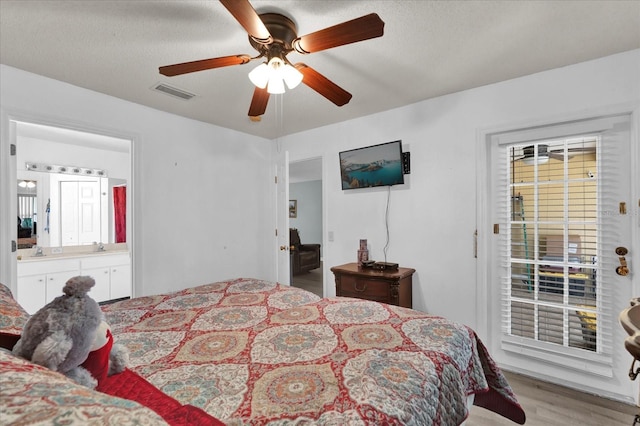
x: 120, y: 212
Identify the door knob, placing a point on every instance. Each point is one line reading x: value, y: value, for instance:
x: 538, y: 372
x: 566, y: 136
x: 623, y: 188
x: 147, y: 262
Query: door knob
x: 284, y: 248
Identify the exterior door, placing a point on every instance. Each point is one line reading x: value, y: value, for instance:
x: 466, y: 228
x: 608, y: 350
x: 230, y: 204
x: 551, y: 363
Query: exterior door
x: 561, y: 202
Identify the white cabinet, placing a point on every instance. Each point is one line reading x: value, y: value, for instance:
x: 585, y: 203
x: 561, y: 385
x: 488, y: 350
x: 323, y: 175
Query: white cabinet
x: 100, y: 292
x: 121, y: 281
x: 31, y: 294
x: 39, y: 282
x: 42, y: 280
x: 112, y: 274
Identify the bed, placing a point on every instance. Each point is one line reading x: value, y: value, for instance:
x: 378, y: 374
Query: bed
x: 253, y: 352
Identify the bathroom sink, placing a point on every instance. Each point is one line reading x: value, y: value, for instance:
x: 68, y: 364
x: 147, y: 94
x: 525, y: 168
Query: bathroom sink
x: 630, y: 321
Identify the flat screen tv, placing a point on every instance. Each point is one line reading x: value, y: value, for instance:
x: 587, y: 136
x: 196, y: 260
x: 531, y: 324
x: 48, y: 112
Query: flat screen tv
x: 376, y: 165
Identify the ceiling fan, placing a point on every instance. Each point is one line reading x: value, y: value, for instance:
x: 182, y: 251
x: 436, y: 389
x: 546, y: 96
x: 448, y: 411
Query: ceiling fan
x: 544, y: 153
x: 274, y: 35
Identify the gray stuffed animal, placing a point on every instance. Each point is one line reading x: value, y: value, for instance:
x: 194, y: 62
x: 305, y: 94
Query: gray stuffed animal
x: 62, y: 333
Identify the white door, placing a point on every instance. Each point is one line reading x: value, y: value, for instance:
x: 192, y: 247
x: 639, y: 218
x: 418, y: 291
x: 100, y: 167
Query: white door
x: 282, y: 218
x: 560, y: 206
x: 80, y: 212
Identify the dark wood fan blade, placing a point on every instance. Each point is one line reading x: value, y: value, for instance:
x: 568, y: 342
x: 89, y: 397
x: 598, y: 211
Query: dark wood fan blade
x: 259, y: 102
x: 323, y: 85
x: 359, y: 29
x: 203, y: 64
x: 247, y: 16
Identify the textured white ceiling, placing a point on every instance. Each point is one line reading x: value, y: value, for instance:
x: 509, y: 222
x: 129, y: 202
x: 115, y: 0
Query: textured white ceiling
x: 430, y: 48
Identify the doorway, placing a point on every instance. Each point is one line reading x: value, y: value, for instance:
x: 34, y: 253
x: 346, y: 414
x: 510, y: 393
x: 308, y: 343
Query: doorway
x: 306, y: 216
x: 57, y: 157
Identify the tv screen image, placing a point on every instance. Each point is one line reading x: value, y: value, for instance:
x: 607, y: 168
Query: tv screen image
x: 376, y: 165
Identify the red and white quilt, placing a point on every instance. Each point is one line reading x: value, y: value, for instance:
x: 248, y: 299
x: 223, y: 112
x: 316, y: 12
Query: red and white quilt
x: 254, y: 352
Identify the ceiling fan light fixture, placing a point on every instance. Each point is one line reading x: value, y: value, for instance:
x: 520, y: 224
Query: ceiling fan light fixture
x: 27, y: 184
x: 542, y: 159
x: 530, y: 157
x: 274, y: 75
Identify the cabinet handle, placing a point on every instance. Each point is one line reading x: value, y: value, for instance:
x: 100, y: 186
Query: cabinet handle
x: 364, y: 287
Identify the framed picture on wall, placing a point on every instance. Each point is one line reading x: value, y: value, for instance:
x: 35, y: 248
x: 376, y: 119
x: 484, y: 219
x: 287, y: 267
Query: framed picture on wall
x: 293, y: 208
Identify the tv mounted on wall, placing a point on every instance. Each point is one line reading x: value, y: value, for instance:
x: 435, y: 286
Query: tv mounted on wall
x: 376, y: 165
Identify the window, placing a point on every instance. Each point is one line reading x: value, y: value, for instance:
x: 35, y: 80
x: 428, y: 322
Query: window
x: 551, y: 296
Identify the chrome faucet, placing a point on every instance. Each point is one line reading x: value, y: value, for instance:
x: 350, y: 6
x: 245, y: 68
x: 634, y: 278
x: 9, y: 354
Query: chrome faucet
x: 38, y: 251
x: 100, y: 246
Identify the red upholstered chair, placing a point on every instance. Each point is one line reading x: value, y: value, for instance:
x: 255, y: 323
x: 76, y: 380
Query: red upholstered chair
x: 304, y: 257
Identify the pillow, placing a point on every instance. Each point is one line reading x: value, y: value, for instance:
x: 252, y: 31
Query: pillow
x: 13, y: 317
x: 32, y: 394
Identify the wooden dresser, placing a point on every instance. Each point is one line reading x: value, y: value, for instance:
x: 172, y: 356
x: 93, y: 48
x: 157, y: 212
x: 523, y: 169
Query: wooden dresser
x: 391, y: 287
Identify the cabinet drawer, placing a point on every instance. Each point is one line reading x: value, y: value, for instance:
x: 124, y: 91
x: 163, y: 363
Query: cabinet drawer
x: 364, y: 288
x: 47, y: 266
x: 104, y: 260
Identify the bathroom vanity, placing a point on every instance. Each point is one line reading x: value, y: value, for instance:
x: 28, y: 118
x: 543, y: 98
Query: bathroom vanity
x: 41, y: 278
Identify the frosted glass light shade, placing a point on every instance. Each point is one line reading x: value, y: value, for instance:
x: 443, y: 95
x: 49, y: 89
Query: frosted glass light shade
x: 275, y: 86
x: 259, y: 76
x: 291, y: 76
x: 274, y: 75
x: 542, y: 159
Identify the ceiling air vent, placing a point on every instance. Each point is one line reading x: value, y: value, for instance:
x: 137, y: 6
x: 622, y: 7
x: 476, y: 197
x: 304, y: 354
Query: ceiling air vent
x: 175, y: 92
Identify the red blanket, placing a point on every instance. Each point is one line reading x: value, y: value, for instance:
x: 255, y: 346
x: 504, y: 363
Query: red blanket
x: 129, y: 385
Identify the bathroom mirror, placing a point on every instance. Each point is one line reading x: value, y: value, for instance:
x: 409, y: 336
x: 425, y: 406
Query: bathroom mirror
x: 78, y: 195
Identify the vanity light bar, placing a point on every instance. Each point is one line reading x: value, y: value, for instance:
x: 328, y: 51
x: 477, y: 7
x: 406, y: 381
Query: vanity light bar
x: 70, y: 170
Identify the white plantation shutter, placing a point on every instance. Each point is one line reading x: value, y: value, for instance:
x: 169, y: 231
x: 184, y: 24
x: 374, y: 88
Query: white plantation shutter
x: 26, y: 206
x: 555, y: 249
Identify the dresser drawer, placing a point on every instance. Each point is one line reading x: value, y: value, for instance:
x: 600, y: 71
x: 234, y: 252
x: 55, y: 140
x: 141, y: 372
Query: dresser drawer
x: 364, y: 288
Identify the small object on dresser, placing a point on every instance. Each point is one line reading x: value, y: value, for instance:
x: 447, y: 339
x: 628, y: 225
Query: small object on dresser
x: 385, y: 266
x: 368, y: 263
x: 363, y: 252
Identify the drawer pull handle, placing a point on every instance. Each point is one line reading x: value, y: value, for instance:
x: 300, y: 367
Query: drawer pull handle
x: 364, y: 287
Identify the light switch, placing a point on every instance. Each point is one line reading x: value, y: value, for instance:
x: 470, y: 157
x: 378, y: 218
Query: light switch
x: 330, y: 235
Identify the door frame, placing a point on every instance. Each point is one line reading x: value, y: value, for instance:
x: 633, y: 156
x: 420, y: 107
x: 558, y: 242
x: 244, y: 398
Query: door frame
x: 8, y: 177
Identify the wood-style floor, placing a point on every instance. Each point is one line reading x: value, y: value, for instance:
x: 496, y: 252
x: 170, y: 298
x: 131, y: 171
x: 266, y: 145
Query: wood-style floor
x: 545, y: 404
x: 310, y: 281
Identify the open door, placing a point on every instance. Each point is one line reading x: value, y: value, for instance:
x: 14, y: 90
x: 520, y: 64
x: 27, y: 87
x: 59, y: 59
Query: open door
x: 283, y: 262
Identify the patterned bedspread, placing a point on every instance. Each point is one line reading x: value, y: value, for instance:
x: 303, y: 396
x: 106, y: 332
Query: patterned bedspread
x: 255, y: 352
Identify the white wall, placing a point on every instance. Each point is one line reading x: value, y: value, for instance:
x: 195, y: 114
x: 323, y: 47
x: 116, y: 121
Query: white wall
x: 200, y: 190
x: 309, y: 221
x: 432, y: 218
x: 35, y: 150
